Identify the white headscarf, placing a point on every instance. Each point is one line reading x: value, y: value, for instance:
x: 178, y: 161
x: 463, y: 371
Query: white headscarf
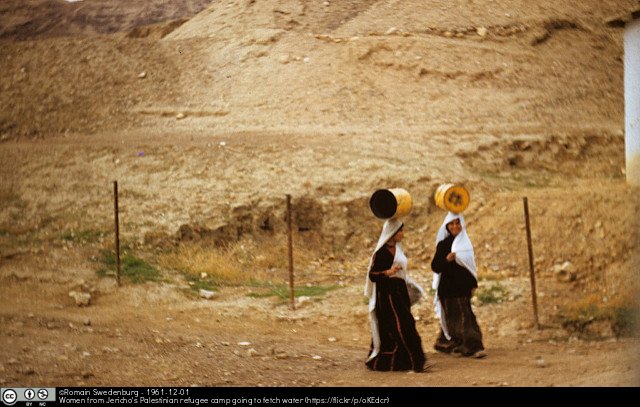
x: 465, y: 257
x: 390, y: 228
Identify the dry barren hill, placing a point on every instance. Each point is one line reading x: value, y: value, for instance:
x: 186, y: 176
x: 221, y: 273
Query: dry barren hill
x: 31, y: 19
x: 360, y: 66
x: 404, y: 65
x: 208, y: 113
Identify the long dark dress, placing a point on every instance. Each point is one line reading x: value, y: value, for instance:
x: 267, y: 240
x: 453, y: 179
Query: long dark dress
x: 400, y: 347
x: 454, y: 293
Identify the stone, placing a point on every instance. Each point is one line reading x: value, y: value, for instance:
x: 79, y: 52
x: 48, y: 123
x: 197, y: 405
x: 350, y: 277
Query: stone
x: 284, y: 59
x: 207, y: 294
x: 391, y: 31
x: 302, y: 301
x: 602, y: 329
x: 81, y: 299
x: 564, y: 272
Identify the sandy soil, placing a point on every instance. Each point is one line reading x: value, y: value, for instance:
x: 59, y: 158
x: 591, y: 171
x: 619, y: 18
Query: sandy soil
x: 207, y: 119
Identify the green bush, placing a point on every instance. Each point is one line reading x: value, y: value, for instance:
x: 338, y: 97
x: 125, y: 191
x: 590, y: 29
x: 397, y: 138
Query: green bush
x: 131, y: 267
x: 578, y: 317
x: 197, y: 284
x: 83, y: 236
x: 282, y: 291
x: 496, y: 293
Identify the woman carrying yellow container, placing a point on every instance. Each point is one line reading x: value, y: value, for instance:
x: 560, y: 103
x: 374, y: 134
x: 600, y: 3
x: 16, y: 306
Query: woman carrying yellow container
x: 395, y: 342
x: 455, y: 280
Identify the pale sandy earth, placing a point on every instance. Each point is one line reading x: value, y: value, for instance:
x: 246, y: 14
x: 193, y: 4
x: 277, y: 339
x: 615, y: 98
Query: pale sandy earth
x: 210, y: 115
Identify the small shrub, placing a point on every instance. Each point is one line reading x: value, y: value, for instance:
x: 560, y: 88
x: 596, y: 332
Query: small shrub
x: 625, y: 321
x: 578, y: 317
x: 195, y: 260
x: 83, y: 236
x: 282, y: 291
x: 487, y: 274
x: 198, y: 283
x: 238, y: 263
x: 131, y: 267
x: 496, y: 293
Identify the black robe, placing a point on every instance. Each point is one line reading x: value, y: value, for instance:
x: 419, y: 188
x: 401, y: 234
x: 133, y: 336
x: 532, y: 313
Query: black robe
x: 454, y: 294
x: 455, y: 280
x: 400, y: 344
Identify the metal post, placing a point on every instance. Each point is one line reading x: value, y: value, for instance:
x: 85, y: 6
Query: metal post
x: 293, y: 303
x: 531, y: 271
x: 115, y: 207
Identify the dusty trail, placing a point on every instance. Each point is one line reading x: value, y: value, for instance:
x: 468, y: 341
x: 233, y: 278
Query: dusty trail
x: 207, y: 113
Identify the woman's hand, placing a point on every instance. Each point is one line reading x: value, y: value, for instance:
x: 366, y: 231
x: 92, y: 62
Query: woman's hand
x: 393, y: 270
x: 451, y: 257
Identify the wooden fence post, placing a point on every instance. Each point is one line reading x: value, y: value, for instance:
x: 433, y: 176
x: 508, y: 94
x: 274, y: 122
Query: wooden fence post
x: 531, y: 270
x: 115, y: 208
x: 290, y: 238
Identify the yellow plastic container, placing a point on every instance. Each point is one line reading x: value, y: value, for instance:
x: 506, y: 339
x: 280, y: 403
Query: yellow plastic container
x: 453, y: 198
x: 391, y: 203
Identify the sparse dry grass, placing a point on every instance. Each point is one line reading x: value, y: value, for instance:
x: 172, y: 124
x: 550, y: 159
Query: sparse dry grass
x: 197, y: 260
x: 495, y: 293
x: 487, y: 274
x: 238, y: 263
x: 134, y: 268
x: 620, y: 312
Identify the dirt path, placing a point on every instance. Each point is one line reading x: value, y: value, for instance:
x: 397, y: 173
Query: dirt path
x: 150, y: 335
x: 208, y: 123
x: 163, y: 336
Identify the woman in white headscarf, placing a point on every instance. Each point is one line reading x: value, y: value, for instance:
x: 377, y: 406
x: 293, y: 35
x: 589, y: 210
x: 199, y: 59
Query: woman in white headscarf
x: 395, y: 343
x: 455, y: 279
